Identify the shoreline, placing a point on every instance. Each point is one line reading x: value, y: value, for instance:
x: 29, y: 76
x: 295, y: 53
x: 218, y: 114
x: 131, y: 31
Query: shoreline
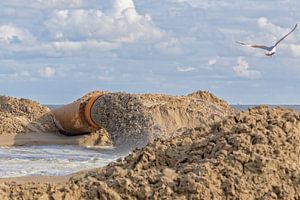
x: 41, y: 139
x: 31, y: 139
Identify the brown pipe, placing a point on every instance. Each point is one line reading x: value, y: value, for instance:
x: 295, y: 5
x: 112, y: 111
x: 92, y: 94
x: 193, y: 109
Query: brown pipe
x: 75, y: 118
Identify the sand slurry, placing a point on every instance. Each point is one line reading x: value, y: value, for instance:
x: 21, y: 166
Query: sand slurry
x: 250, y: 155
x: 137, y: 119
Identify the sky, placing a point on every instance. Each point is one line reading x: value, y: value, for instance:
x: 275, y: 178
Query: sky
x: 55, y: 51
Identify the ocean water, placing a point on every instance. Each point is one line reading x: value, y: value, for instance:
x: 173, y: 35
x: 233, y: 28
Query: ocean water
x: 245, y: 107
x: 51, y: 160
x: 52, y: 107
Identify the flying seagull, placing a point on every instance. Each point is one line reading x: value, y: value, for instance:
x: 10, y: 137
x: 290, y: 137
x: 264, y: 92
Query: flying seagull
x: 272, y: 49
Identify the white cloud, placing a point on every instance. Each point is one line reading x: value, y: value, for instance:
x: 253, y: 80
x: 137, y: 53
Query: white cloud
x: 44, y: 4
x: 105, y: 78
x: 17, y: 75
x: 80, y: 45
x: 52, y: 3
x: 69, y: 31
x: 263, y: 22
x: 14, y: 34
x: 276, y: 31
x: 119, y: 8
x: 8, y: 12
x: 77, y: 37
x: 185, y: 69
x: 47, y: 72
x: 170, y: 47
x: 122, y: 24
x: 212, y: 61
x: 200, y: 3
x: 295, y: 50
x: 242, y: 69
x: 25, y: 73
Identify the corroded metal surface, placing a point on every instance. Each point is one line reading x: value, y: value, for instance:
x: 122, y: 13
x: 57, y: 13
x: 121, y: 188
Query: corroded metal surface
x: 75, y: 118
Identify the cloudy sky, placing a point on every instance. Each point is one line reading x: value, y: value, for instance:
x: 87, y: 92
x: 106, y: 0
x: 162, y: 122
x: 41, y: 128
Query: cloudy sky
x: 56, y: 50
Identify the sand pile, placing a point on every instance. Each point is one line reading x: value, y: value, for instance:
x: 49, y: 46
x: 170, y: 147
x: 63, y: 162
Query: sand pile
x: 129, y: 120
x: 214, y: 101
x: 23, y: 115
x: 135, y: 120
x: 250, y: 155
x: 172, y: 113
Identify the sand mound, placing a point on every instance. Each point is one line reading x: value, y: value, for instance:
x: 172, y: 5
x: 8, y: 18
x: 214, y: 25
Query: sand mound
x: 130, y: 120
x: 135, y: 120
x: 212, y: 99
x: 250, y: 155
x: 23, y: 115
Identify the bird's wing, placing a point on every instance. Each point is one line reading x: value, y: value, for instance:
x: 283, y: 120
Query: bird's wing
x: 255, y: 46
x: 286, y: 35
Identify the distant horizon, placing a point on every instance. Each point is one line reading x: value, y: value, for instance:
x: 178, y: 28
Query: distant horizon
x: 78, y: 96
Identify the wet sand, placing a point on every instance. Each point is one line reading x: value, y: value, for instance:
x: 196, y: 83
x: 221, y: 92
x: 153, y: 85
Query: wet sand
x: 37, y: 179
x: 38, y: 139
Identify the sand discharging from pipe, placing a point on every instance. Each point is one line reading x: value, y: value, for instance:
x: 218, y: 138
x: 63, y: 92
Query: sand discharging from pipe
x: 125, y: 118
x: 133, y: 120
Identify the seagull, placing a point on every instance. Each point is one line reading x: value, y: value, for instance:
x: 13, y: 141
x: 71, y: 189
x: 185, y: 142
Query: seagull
x: 271, y: 50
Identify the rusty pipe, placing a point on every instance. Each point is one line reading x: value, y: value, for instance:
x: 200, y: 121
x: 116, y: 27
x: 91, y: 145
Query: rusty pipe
x: 75, y: 118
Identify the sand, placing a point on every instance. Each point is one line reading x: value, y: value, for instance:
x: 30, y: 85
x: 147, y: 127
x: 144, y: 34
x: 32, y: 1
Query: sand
x: 128, y: 120
x: 222, y: 154
x: 36, y: 180
x: 95, y: 139
x: 249, y: 155
x: 136, y: 120
x: 25, y: 122
x: 23, y: 116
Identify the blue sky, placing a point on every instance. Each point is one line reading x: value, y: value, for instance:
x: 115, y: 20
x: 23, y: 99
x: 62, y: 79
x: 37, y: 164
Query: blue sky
x: 55, y: 51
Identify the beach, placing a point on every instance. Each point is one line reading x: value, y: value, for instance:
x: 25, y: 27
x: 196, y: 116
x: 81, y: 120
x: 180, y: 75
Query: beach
x: 194, y: 146
x: 37, y: 139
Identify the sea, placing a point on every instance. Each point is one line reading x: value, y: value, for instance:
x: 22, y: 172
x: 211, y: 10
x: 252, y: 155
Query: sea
x: 51, y: 160
x: 63, y: 160
x: 245, y: 107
